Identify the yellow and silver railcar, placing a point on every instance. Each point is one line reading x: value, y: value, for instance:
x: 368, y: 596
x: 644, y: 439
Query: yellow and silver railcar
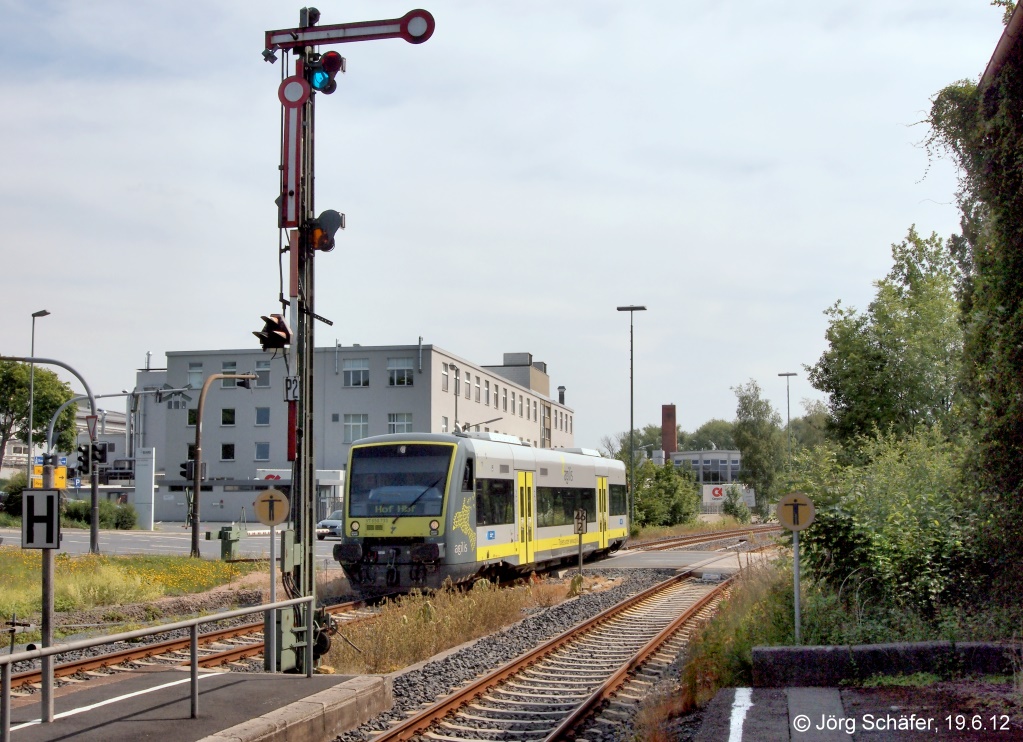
x: 422, y: 508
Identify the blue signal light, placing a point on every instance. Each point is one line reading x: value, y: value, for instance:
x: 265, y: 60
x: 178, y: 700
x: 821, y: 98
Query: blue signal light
x: 320, y: 80
x: 322, y: 70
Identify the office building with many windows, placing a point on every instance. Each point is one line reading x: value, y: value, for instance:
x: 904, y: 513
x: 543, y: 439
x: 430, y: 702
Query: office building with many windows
x: 359, y: 391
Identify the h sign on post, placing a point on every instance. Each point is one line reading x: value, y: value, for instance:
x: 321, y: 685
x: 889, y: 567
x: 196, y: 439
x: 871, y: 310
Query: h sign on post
x: 40, y: 519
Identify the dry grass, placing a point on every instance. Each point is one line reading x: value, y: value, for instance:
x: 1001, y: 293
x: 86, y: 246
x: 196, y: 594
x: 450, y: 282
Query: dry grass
x: 417, y: 626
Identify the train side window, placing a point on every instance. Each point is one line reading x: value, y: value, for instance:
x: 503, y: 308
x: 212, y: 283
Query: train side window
x: 468, y: 481
x: 495, y: 502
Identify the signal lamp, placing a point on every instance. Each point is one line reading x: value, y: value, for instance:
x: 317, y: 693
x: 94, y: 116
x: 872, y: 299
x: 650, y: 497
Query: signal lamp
x: 324, y: 227
x: 84, y: 459
x: 322, y: 71
x: 275, y: 333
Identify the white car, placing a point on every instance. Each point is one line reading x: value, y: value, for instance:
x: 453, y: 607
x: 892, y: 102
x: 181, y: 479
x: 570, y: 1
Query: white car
x: 332, y: 523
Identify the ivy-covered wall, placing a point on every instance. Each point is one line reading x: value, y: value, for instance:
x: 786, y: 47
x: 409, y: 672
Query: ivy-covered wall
x: 983, y: 130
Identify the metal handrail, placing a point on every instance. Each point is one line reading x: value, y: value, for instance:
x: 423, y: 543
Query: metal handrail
x: 192, y: 624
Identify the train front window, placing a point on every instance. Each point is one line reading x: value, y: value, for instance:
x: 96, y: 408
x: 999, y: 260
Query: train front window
x: 403, y: 479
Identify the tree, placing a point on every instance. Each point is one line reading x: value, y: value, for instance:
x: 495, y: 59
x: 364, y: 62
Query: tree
x: 49, y: 394
x: 665, y: 495
x: 810, y: 430
x: 897, y: 365
x: 712, y: 434
x: 758, y: 436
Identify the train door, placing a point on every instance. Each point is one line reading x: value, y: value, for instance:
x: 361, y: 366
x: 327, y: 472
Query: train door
x: 602, y: 511
x: 527, y: 532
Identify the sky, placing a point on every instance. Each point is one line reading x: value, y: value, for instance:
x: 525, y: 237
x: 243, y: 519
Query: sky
x: 734, y: 167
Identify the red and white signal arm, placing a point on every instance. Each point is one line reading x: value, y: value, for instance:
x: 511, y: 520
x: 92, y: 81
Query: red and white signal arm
x: 717, y: 492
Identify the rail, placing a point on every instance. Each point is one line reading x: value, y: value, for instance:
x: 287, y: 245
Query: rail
x: 192, y: 624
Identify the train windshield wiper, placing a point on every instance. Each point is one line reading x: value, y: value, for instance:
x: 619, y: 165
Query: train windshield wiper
x: 419, y: 496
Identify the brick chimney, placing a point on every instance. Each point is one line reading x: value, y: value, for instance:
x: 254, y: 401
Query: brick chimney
x: 669, y: 430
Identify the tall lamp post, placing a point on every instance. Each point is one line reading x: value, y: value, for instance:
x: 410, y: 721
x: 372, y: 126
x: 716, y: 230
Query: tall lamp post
x: 631, y: 309
x: 788, y: 421
x: 32, y: 395
x: 197, y: 456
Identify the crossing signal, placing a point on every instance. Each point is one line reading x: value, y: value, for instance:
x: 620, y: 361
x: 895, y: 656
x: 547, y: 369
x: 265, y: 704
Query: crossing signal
x: 324, y: 228
x: 321, y: 71
x: 84, y: 460
x: 275, y: 333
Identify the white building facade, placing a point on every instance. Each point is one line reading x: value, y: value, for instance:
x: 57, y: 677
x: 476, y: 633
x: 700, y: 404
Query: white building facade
x: 359, y: 391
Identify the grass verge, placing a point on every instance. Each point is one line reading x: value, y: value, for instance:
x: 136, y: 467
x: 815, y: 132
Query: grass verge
x: 93, y: 580
x: 417, y: 626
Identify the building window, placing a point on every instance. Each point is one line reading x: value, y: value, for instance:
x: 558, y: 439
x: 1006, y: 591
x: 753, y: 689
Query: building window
x: 193, y: 414
x: 229, y: 367
x: 227, y: 416
x: 262, y: 373
x: 262, y: 451
x: 356, y: 371
x: 486, y: 392
x: 356, y: 427
x: 535, y: 418
x: 399, y: 372
x: 227, y: 452
x: 444, y: 424
x: 335, y: 417
x: 444, y: 378
x: 399, y: 422
x: 262, y: 416
x: 477, y: 388
x: 513, y: 403
x: 504, y: 400
x: 195, y: 375
x: 520, y: 405
x: 468, y: 384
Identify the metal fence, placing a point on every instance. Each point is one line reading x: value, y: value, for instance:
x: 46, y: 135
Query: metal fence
x: 192, y: 624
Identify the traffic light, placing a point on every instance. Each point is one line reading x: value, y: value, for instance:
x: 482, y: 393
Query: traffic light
x: 188, y: 470
x: 84, y: 460
x: 275, y: 334
x: 324, y: 228
x: 321, y: 71
x: 99, y: 453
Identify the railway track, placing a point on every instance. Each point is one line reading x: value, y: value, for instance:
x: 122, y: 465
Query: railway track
x: 553, y: 690
x: 675, y: 542
x: 218, y: 647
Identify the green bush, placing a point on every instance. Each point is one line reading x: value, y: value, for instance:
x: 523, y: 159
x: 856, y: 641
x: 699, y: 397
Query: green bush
x: 126, y: 517
x: 734, y: 506
x: 78, y: 514
x: 895, y: 526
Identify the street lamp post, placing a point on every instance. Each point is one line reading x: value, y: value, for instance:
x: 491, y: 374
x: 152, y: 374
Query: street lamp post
x: 32, y: 395
x: 788, y: 421
x: 197, y: 456
x: 631, y: 309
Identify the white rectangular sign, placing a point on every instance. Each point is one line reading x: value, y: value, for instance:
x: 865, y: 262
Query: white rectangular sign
x: 291, y: 389
x: 40, y: 519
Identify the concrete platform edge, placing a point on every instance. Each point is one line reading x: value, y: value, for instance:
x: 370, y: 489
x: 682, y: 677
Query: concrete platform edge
x: 320, y: 716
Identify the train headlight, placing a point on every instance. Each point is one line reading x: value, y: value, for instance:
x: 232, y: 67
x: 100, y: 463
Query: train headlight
x: 355, y: 527
x: 434, y: 525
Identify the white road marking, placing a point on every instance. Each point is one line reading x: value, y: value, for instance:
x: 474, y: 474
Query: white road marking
x: 743, y: 702
x: 83, y: 709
